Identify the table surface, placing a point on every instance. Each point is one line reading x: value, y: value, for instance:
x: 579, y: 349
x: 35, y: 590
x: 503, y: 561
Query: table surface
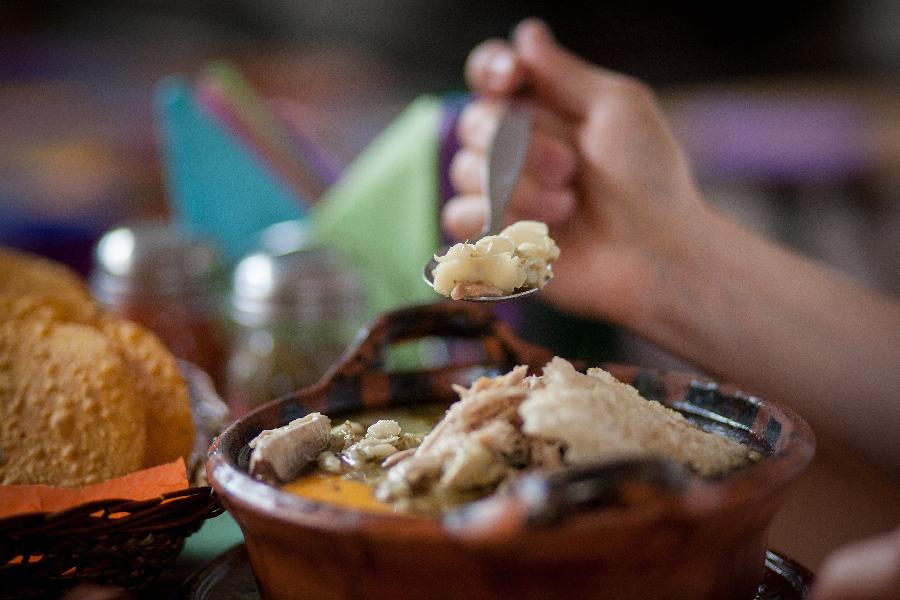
x: 229, y: 577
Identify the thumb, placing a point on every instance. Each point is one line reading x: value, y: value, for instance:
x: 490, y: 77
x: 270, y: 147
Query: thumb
x: 557, y: 76
x: 866, y: 570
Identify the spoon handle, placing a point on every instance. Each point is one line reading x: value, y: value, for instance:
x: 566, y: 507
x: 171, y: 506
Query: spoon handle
x: 506, y: 159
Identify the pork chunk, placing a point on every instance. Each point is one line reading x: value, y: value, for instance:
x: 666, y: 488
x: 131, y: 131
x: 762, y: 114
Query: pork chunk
x: 281, y: 454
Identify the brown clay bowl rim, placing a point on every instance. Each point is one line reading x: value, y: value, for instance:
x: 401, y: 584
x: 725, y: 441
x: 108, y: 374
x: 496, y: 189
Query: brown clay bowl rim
x: 704, y: 499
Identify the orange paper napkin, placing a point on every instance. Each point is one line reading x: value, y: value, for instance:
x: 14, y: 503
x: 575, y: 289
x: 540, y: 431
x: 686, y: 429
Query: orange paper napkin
x: 140, y: 485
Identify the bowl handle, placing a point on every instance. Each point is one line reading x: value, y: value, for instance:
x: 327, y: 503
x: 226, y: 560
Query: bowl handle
x: 359, y: 376
x: 446, y: 320
x: 542, y: 499
x: 551, y: 496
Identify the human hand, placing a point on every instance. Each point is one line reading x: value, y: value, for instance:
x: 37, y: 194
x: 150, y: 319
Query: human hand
x: 603, y: 171
x: 868, y: 570
x: 91, y: 591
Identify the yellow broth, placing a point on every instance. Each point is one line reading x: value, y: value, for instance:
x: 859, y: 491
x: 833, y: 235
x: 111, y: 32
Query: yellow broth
x: 355, y: 489
x: 339, y: 491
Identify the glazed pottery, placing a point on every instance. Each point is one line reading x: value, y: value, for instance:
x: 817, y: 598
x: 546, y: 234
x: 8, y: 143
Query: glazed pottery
x: 631, y: 530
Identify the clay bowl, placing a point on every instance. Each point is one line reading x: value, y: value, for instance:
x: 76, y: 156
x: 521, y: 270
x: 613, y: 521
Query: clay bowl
x: 640, y: 529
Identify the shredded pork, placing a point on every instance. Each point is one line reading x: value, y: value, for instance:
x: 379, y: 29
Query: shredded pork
x: 503, y: 425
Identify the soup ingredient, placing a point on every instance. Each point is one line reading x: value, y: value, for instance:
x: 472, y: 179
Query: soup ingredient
x: 496, y: 265
x: 466, y: 447
x: 348, y: 450
x: 355, y: 449
x: 501, y: 426
x: 281, y: 454
x: 360, y: 453
x: 338, y: 490
x: 379, y: 442
x: 596, y: 417
x: 474, y: 446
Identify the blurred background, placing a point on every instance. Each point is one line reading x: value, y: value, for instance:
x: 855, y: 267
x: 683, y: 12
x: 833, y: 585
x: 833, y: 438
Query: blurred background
x: 789, y: 108
x: 790, y: 112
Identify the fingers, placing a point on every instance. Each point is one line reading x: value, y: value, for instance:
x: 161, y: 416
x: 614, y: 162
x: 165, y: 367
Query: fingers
x: 564, y: 85
x: 477, y: 124
x: 550, y: 162
x: 556, y: 77
x: 551, y: 159
x: 867, y: 570
x: 463, y: 216
x: 479, y: 119
x: 531, y: 201
x: 544, y: 191
x: 467, y: 171
x: 559, y: 78
x: 493, y: 69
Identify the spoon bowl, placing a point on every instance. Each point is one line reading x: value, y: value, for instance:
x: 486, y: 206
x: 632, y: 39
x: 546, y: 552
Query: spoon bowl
x: 506, y: 158
x: 428, y: 276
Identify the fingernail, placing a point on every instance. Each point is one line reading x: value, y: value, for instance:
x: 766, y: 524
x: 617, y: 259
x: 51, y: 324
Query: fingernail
x: 535, y: 27
x: 463, y: 216
x: 556, y: 205
x: 543, y: 30
x: 500, y: 66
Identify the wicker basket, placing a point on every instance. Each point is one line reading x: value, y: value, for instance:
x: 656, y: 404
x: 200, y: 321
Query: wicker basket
x: 122, y: 543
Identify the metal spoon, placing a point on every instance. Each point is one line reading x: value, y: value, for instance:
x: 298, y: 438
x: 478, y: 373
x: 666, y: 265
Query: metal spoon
x: 506, y: 158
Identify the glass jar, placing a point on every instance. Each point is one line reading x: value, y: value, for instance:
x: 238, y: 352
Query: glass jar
x: 293, y: 314
x: 156, y: 275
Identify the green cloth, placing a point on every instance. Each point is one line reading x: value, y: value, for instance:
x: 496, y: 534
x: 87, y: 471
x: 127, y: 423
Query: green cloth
x: 383, y: 213
x: 218, y: 187
x: 214, y: 537
x: 382, y: 216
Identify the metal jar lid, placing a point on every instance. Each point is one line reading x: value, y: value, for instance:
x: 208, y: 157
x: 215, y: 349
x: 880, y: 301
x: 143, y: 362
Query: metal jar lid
x: 153, y: 259
x: 293, y: 283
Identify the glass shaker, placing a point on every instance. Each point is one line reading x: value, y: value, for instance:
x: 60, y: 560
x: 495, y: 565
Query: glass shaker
x: 154, y: 274
x: 293, y: 313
